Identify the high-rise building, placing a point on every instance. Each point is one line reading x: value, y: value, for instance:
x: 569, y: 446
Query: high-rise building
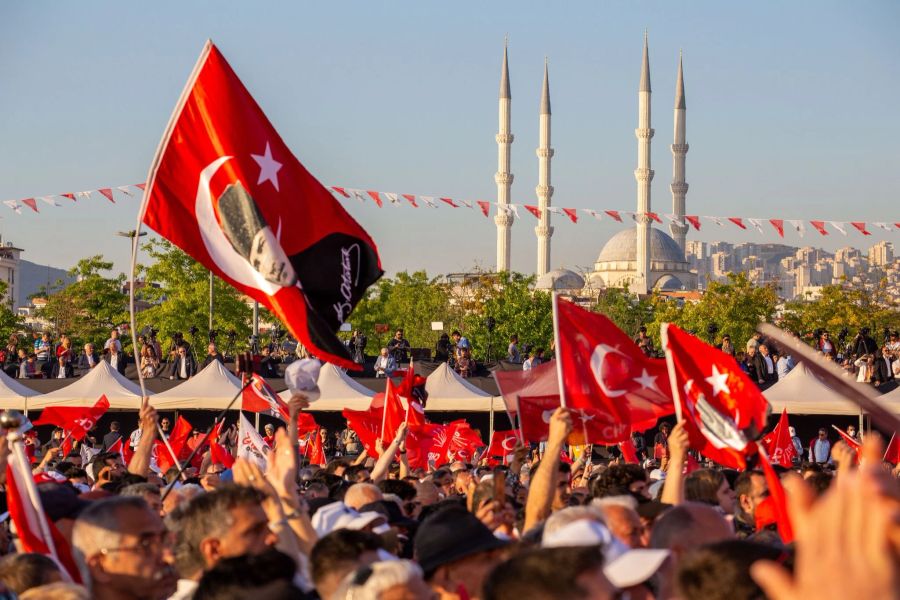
x: 881, y: 254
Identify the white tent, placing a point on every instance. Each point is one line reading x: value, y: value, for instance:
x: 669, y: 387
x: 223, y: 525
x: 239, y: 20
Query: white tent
x: 337, y: 391
x: 802, y: 393
x: 14, y: 395
x: 892, y: 400
x: 122, y: 393
x: 210, y: 389
x: 447, y: 391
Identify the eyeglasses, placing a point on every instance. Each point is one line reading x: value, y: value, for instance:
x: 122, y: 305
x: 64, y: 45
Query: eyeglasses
x: 149, y: 544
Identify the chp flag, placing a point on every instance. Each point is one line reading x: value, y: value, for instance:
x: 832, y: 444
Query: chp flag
x: 722, y: 409
x: 605, y: 376
x: 250, y: 445
x: 225, y: 188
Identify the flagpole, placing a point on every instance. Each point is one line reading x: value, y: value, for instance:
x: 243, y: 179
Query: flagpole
x: 491, y: 420
x: 559, y: 373
x: 670, y: 366
x: 519, y: 421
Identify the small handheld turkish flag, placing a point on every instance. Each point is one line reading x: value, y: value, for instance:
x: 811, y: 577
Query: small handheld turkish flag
x: 602, y: 371
x: 722, y: 410
x: 503, y: 444
x: 225, y: 188
x: 778, y: 443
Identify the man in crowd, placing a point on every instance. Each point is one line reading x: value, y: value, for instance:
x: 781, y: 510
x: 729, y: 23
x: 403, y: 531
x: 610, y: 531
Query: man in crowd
x: 820, y: 448
x: 116, y: 358
x: 512, y: 352
x: 750, y: 489
x: 212, y: 354
x: 183, y: 366
x: 88, y: 359
x: 398, y: 348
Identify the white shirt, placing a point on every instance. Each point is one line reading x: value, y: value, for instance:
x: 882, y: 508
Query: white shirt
x: 184, y: 373
x: 114, y: 360
x: 769, y: 366
x: 185, y: 589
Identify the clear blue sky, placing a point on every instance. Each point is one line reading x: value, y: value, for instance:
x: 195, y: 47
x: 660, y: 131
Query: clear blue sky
x: 793, y: 111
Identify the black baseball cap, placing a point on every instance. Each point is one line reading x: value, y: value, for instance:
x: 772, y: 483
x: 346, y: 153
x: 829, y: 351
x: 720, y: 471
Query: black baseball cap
x: 450, y: 535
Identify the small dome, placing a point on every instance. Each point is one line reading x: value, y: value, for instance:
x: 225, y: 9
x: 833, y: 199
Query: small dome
x: 622, y: 247
x: 559, y: 279
x: 669, y: 283
x: 595, y: 282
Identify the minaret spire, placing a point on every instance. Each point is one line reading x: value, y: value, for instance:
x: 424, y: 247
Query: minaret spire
x: 544, y: 190
x: 504, y: 217
x: 680, y: 148
x: 644, y: 175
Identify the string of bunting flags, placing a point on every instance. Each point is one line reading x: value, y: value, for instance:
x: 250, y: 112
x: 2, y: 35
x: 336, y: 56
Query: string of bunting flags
x: 485, y: 207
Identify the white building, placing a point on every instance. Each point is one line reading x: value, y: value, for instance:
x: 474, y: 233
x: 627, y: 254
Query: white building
x: 9, y: 273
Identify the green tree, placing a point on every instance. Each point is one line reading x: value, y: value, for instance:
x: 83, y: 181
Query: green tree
x: 628, y: 311
x: 839, y: 306
x: 9, y: 320
x: 87, y: 309
x: 410, y: 301
x: 516, y: 308
x: 178, y: 292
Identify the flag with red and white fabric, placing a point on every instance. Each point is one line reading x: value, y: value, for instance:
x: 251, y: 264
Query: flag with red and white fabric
x: 226, y: 189
x: 722, y: 409
x: 74, y: 420
x: 393, y: 413
x: 779, y: 500
x: 603, y: 373
x: 892, y: 452
x: 250, y: 445
x: 367, y: 425
x: 218, y: 453
x: 854, y: 444
x: 778, y: 443
x: 260, y: 397
x: 503, y: 445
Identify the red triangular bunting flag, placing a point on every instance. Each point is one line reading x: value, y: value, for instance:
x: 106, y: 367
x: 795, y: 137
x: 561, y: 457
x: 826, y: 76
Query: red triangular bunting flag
x: 614, y: 214
x: 140, y: 186
x: 450, y: 202
x: 860, y: 225
x: 411, y: 199
x: 655, y: 217
x: 108, y: 194
x: 485, y: 207
x: 534, y: 210
x: 374, y: 196
x: 778, y: 224
x: 694, y: 220
x: 820, y: 226
x: 340, y: 191
x: 69, y: 195
x: 572, y: 214
x: 30, y: 203
x: 737, y: 221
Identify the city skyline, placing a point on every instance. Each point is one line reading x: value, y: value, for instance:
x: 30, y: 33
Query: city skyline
x: 769, y: 138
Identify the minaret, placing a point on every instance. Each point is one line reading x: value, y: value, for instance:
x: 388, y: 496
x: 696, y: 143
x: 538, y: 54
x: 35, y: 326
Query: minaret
x: 544, y: 190
x: 644, y: 175
x: 504, y: 218
x: 679, y: 186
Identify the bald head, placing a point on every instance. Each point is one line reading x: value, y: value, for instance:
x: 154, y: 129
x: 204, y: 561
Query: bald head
x: 360, y: 494
x: 688, y: 526
x: 624, y: 523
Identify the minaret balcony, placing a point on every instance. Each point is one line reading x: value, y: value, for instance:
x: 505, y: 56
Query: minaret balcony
x: 545, y: 152
x: 504, y: 219
x: 644, y: 133
x: 503, y: 178
x: 679, y: 149
x: 643, y: 175
x: 504, y: 138
x: 679, y: 188
x: 544, y: 232
x: 544, y: 190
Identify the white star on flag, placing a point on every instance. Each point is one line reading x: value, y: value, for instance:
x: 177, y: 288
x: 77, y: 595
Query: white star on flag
x: 268, y: 167
x: 647, y: 381
x: 718, y: 381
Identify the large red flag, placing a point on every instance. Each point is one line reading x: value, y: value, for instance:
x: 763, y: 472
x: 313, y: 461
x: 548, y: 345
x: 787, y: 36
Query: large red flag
x: 393, y: 414
x: 503, y: 444
x: 779, y: 499
x: 74, y: 419
x: 218, y: 453
x: 722, y: 410
x: 892, y: 452
x: 604, y: 373
x: 225, y: 188
x: 778, y: 443
x: 534, y: 416
x: 419, y: 443
x: 367, y: 425
x: 178, y: 438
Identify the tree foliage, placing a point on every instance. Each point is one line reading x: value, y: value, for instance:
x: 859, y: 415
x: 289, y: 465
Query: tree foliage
x: 626, y: 310
x: 179, y: 298
x: 841, y: 306
x: 87, y: 309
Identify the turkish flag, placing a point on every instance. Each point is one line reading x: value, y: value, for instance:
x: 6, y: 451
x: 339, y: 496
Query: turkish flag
x: 181, y: 431
x: 778, y: 443
x: 606, y: 374
x: 856, y: 446
x: 779, y: 499
x: 76, y: 420
x: 629, y: 452
x: 259, y: 397
x: 218, y: 453
x: 722, y: 410
x: 225, y: 188
x: 534, y: 416
x: 503, y: 444
x: 892, y: 453
x: 393, y: 414
x: 122, y: 449
x: 412, y: 386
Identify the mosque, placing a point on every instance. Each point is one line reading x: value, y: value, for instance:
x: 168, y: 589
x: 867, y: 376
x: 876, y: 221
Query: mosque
x: 644, y: 257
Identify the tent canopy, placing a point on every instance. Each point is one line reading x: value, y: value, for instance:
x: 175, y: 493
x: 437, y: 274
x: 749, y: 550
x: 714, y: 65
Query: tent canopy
x: 122, y: 393
x: 210, y: 389
x: 337, y: 391
x: 802, y: 393
x: 447, y: 392
x: 14, y: 395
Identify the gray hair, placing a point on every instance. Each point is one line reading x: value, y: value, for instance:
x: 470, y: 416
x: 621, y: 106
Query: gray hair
x: 563, y: 517
x: 98, y: 527
x: 369, y: 582
x: 139, y: 490
x: 626, y: 501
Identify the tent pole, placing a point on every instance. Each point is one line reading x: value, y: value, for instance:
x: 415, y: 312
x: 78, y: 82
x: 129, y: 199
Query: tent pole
x: 257, y: 421
x: 491, y: 435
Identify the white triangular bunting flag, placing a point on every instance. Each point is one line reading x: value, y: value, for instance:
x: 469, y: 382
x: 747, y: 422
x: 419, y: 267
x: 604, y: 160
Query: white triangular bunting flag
x: 515, y: 209
x: 715, y: 220
x: 758, y: 224
x: 124, y: 189
x: 429, y: 200
x: 48, y: 200
x: 593, y: 213
x: 13, y: 205
x: 394, y: 198
x: 798, y: 226
x: 882, y: 225
x: 358, y: 194
x: 86, y: 194
x: 839, y: 226
x: 556, y: 210
x: 466, y: 203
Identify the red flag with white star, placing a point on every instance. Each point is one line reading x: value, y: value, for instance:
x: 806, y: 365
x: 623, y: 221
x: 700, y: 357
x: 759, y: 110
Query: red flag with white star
x: 722, y: 410
x: 226, y: 189
x: 606, y: 375
x: 502, y: 445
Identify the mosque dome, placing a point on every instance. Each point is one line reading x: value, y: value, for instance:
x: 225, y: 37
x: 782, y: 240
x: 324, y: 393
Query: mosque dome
x: 558, y: 280
x: 669, y: 283
x: 622, y: 247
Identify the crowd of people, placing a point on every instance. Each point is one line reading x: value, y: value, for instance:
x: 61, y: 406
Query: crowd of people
x: 556, y: 522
